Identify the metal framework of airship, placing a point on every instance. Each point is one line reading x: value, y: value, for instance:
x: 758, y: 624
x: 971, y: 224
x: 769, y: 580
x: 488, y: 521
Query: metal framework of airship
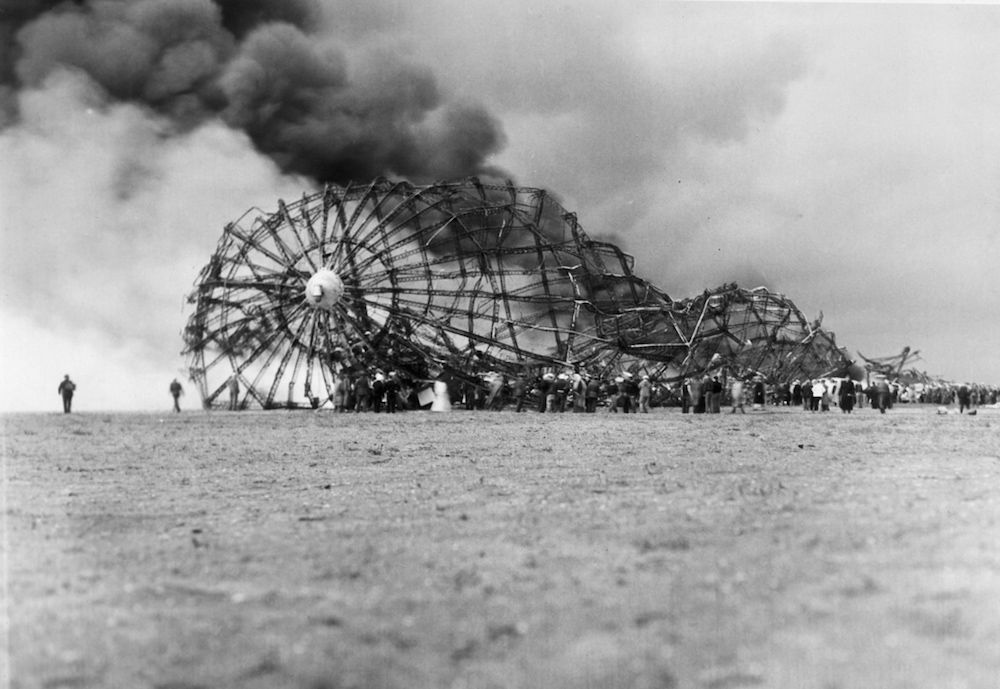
x: 462, y: 277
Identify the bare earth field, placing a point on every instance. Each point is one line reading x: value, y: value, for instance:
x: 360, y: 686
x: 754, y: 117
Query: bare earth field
x: 474, y: 549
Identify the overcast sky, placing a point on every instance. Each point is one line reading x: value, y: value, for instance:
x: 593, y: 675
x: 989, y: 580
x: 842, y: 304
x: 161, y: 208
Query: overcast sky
x: 846, y: 155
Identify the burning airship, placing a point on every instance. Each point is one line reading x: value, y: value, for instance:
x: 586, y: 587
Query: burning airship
x: 465, y: 277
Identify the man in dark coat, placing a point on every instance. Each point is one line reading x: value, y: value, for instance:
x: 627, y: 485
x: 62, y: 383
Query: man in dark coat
x: 391, y: 388
x: 593, y: 393
x: 847, y: 393
x: 66, y: 389
x: 964, y: 398
x: 176, y: 391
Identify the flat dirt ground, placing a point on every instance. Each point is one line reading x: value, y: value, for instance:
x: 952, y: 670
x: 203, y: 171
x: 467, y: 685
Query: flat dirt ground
x: 312, y: 550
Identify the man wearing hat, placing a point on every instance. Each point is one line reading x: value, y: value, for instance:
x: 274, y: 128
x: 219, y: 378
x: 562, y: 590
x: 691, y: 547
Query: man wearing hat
x: 66, y: 389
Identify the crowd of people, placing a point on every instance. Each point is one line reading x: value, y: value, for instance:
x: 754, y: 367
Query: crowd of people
x: 627, y: 392
x: 575, y: 391
x: 822, y: 394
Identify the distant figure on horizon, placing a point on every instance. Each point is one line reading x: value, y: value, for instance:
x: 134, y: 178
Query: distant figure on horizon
x: 234, y: 392
x: 66, y: 389
x: 176, y: 391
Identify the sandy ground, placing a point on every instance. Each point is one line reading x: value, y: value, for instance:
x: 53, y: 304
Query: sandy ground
x: 475, y: 549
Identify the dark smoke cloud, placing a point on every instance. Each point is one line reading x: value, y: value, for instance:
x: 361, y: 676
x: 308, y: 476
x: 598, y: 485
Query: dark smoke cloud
x: 257, y: 66
x: 131, y: 131
x: 242, y: 16
x: 14, y: 14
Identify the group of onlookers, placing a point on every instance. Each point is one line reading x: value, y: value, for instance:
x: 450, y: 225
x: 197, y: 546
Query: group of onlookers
x: 364, y: 391
x: 824, y: 393
x: 378, y: 391
x: 626, y: 392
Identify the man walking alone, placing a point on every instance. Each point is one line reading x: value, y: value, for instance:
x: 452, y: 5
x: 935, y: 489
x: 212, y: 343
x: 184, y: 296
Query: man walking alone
x: 176, y: 391
x: 66, y: 389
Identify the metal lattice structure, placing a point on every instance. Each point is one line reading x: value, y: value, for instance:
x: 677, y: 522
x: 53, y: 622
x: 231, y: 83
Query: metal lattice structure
x: 463, y: 277
x: 890, y: 366
x: 748, y: 332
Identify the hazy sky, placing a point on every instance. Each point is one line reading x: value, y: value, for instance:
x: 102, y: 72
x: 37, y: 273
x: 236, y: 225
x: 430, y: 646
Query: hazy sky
x: 846, y: 155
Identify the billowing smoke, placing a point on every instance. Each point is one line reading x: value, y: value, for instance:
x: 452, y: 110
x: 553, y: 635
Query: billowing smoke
x: 132, y: 131
x: 256, y: 66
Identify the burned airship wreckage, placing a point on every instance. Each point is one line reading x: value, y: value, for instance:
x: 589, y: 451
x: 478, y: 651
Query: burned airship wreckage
x: 461, y: 279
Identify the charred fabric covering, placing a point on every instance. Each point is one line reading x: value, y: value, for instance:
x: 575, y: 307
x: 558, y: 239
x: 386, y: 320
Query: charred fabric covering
x: 467, y: 278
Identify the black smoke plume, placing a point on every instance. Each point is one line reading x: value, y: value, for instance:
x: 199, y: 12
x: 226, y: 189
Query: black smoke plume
x: 258, y: 66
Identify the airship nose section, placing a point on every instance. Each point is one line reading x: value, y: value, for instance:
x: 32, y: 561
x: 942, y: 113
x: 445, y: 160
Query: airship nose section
x: 324, y: 289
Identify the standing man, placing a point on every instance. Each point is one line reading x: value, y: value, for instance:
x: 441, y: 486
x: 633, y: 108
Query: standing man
x: 362, y: 392
x: 519, y: 391
x: 847, y: 396
x: 378, y: 391
x: 818, y: 391
x: 66, y: 389
x: 593, y: 392
x: 717, y: 390
x: 964, y: 398
x: 631, y: 390
x: 234, y: 392
x: 392, y: 389
x: 176, y: 391
x: 759, y: 394
x: 645, y: 393
x: 561, y: 386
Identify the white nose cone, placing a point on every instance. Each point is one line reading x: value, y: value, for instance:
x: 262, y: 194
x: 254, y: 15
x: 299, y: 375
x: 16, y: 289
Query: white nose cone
x: 324, y: 289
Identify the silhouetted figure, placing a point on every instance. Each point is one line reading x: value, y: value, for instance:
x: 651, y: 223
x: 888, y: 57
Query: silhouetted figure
x: 362, y: 392
x: 964, y: 398
x: 717, y: 390
x: 234, y: 392
x: 392, y: 389
x: 847, y: 396
x: 593, y: 393
x: 66, y: 390
x: 176, y: 391
x: 759, y: 394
